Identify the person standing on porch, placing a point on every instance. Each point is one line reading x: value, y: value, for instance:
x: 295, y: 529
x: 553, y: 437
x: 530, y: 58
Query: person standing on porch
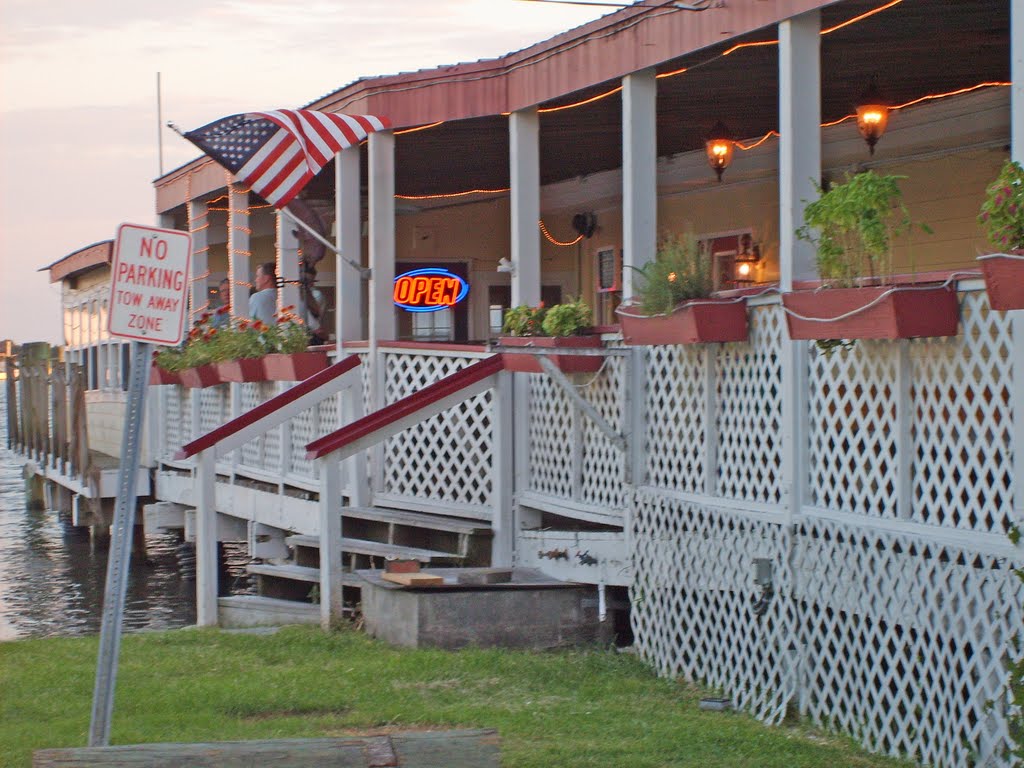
x: 222, y: 316
x: 263, y: 303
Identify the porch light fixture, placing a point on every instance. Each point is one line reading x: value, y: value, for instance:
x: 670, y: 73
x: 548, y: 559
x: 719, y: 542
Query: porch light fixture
x: 719, y: 147
x: 872, y: 115
x: 744, y: 262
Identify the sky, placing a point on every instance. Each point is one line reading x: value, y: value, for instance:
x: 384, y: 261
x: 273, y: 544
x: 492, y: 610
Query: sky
x: 78, y: 117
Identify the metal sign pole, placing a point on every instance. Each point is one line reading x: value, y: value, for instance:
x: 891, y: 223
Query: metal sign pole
x: 120, y: 549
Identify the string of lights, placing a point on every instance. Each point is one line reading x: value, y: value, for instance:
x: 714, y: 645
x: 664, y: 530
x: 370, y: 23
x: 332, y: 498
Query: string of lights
x: 551, y: 239
x: 453, y: 194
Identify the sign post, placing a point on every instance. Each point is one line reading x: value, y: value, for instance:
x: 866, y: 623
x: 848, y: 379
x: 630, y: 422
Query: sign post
x: 148, y: 304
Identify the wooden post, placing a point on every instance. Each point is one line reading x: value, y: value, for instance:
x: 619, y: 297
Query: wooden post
x: 206, y: 539
x: 524, y: 175
x: 287, y: 262
x: 639, y: 173
x: 502, y: 510
x: 348, y: 282
x: 331, y: 591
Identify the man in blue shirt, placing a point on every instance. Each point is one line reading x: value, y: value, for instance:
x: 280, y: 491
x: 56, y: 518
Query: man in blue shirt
x: 263, y: 303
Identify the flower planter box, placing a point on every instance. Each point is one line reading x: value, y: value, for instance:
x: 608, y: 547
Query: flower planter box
x: 201, y: 376
x: 876, y: 312
x: 293, y: 367
x: 568, y: 363
x: 1004, y: 279
x: 241, y: 370
x: 158, y: 375
x: 693, y: 322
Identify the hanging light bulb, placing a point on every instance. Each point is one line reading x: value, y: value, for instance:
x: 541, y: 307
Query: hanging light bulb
x: 719, y: 147
x: 872, y: 115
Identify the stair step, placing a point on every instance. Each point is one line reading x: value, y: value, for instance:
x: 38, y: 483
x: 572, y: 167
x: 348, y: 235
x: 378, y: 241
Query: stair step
x: 418, y: 520
x: 375, y: 549
x: 297, y: 573
x: 237, y: 611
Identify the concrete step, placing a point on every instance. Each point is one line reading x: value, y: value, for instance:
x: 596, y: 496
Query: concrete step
x: 419, y: 520
x: 376, y: 549
x: 238, y: 611
x: 296, y: 573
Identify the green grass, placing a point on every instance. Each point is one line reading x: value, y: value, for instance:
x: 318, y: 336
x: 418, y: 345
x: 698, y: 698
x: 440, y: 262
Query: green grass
x: 571, y: 708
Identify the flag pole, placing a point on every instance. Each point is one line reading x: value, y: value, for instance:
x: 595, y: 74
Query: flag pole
x: 363, y: 271
x: 159, y: 126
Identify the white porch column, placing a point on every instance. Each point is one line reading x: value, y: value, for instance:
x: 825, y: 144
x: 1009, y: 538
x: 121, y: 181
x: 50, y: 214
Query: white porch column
x: 348, y: 237
x: 799, y: 140
x: 206, y: 539
x: 239, y: 253
x: 287, y: 262
x: 199, y: 226
x: 799, y: 163
x: 382, y: 236
x: 1017, y: 328
x: 524, y: 198
x: 639, y: 173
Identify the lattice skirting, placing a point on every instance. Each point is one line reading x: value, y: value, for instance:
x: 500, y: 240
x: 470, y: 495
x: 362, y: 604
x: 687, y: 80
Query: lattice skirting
x: 894, y: 639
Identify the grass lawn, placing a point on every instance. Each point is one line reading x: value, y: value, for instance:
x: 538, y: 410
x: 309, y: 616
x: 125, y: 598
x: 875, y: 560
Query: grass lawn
x: 570, y: 708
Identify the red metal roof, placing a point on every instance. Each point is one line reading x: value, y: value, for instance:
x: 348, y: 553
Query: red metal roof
x: 81, y: 260
x: 605, y: 49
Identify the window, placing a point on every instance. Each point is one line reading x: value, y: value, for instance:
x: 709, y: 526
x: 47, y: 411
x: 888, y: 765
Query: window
x: 728, y: 252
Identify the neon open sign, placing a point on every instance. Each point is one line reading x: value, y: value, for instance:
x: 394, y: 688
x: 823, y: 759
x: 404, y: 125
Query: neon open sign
x: 429, y: 290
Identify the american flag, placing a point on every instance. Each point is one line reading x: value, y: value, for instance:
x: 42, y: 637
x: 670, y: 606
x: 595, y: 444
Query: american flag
x: 277, y: 153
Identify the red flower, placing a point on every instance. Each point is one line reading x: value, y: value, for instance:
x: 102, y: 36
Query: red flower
x: 223, y: 310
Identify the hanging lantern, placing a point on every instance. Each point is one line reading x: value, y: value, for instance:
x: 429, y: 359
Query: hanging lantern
x: 719, y: 147
x: 872, y: 115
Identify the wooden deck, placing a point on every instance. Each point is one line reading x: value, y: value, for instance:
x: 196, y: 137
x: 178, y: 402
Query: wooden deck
x: 428, y: 749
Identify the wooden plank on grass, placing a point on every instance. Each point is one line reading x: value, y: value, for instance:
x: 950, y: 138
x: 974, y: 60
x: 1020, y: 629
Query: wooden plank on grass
x: 427, y: 749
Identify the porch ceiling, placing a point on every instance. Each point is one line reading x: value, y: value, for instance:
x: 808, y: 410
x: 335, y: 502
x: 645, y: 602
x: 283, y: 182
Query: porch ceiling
x: 916, y: 48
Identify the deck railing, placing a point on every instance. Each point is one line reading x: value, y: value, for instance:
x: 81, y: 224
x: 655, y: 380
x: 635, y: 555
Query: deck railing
x: 222, y: 440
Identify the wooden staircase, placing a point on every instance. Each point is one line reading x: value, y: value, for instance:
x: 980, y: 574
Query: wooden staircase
x: 288, y: 590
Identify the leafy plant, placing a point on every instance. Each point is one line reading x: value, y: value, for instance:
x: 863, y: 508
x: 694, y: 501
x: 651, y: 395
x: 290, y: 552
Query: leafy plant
x: 853, y: 225
x: 524, y: 321
x: 244, y: 338
x: 1002, y: 213
x: 567, y: 319
x: 680, y: 271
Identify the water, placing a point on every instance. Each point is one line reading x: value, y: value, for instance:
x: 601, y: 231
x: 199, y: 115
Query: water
x: 52, y: 574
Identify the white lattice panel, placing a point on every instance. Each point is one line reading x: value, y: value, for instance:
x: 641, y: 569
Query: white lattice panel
x: 214, y: 407
x: 604, y: 465
x: 693, y: 597
x: 447, y: 458
x: 854, y: 452
x: 304, y: 429
x: 554, y: 436
x: 749, y: 410
x: 177, y: 419
x: 674, y: 415
x: 903, y: 641
x: 964, y: 422
x: 262, y: 453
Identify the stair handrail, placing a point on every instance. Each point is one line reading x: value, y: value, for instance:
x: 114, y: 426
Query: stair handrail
x: 273, y: 412
x: 411, y: 409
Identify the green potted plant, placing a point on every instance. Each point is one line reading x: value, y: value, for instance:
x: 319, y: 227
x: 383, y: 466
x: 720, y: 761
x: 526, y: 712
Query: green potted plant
x: 1002, y: 216
x: 200, y: 354
x: 167, y: 364
x: 853, y: 226
x: 673, y: 303
x: 242, y: 350
x: 562, y: 326
x: 286, y: 343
